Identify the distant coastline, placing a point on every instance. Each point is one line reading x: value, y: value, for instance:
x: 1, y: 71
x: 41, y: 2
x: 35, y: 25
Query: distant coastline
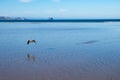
x: 20, y: 19
x: 63, y: 20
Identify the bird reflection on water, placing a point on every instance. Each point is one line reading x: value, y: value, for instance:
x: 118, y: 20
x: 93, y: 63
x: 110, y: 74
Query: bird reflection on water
x: 31, y: 57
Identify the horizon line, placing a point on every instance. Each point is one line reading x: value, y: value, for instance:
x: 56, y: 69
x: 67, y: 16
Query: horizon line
x: 61, y: 20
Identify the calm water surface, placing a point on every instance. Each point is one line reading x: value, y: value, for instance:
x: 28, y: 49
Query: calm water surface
x: 63, y: 51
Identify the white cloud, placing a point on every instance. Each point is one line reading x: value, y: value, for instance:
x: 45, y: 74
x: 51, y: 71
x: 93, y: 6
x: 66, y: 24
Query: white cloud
x: 25, y: 1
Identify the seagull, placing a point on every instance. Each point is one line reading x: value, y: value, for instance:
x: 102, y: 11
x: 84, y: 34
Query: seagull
x: 30, y: 41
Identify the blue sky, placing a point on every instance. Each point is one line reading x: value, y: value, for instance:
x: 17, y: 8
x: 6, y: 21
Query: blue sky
x: 61, y: 8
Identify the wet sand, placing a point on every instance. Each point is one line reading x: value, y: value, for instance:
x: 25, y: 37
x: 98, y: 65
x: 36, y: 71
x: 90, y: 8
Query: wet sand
x: 72, y: 51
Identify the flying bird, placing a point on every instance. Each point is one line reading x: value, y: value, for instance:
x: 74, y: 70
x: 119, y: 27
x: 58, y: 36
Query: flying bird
x: 30, y: 41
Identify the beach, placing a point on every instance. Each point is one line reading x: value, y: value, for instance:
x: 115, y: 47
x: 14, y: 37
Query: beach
x: 63, y: 51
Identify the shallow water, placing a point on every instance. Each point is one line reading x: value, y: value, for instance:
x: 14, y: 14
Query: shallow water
x: 63, y: 51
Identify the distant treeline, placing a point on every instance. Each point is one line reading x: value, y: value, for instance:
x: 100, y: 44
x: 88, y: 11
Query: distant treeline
x: 63, y: 20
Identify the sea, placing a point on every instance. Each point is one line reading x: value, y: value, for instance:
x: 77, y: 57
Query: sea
x: 62, y: 51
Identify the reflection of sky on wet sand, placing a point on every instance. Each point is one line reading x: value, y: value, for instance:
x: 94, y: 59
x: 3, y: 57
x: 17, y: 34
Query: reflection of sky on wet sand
x: 70, y: 51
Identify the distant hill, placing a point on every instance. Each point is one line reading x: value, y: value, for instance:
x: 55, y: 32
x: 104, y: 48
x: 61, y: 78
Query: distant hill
x: 11, y: 18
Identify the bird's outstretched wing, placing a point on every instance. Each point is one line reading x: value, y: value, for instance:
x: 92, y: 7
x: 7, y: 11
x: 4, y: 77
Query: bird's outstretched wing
x: 28, y: 42
x: 34, y: 41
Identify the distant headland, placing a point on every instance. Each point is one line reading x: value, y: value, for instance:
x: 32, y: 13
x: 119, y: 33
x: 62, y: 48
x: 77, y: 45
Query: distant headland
x: 51, y: 19
x: 11, y: 18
